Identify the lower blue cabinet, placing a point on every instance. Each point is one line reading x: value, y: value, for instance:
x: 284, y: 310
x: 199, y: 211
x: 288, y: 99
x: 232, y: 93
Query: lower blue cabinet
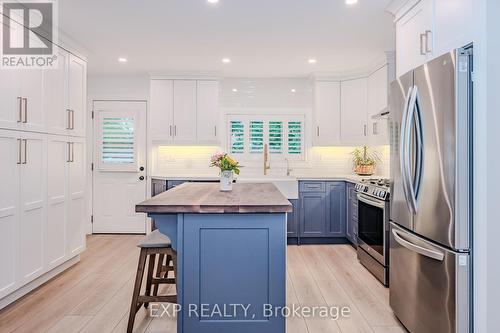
x: 312, y: 214
x: 336, y: 221
x: 322, y: 209
x: 352, y: 214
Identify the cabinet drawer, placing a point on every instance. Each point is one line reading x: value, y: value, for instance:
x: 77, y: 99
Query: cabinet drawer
x: 312, y: 187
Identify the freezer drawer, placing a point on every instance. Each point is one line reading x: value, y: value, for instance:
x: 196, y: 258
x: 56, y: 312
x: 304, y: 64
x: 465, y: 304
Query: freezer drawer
x: 429, y: 289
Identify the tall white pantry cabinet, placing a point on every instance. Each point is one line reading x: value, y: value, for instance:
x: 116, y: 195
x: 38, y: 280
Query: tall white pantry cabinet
x: 42, y: 163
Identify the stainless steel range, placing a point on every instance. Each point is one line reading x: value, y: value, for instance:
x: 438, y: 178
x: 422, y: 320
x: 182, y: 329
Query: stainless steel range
x: 373, y: 226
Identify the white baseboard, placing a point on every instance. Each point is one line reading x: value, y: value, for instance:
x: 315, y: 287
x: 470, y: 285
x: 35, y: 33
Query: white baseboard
x: 14, y: 296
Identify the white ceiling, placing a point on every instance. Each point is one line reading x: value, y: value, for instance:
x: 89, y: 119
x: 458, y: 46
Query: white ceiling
x: 263, y: 38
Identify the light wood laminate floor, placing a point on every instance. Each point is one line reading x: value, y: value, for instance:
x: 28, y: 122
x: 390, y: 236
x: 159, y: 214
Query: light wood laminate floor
x: 94, y: 295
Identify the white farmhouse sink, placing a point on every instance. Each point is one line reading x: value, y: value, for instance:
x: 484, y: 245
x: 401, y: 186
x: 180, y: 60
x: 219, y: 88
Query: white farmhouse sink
x: 288, y: 186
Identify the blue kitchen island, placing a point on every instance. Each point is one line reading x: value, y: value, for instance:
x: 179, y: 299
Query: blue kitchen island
x: 231, y: 255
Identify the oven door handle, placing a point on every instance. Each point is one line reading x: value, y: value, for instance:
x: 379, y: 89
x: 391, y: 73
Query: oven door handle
x: 366, y: 199
x: 417, y: 248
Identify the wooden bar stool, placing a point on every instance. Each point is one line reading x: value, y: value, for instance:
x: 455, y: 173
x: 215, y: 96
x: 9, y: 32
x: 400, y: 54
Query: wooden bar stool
x: 153, y: 245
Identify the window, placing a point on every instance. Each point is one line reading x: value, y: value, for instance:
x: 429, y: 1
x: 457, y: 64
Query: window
x: 117, y: 141
x: 283, y: 134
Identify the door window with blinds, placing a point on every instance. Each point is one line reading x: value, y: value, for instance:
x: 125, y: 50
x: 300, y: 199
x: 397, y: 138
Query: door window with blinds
x: 284, y: 136
x: 117, y: 141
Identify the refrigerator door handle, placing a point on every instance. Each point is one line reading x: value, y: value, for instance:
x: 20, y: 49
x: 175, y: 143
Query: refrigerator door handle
x: 413, y: 182
x: 430, y: 253
x: 404, y: 149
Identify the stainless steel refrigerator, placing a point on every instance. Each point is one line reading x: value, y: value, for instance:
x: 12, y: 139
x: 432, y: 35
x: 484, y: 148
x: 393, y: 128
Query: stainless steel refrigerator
x: 431, y: 154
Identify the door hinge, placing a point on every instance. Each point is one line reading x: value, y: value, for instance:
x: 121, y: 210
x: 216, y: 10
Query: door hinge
x: 92, y: 114
x: 91, y: 218
x: 473, y: 76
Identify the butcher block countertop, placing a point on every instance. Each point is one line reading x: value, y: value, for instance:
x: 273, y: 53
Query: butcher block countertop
x: 207, y: 198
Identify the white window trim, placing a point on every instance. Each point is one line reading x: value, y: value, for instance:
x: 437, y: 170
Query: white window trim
x: 285, y: 118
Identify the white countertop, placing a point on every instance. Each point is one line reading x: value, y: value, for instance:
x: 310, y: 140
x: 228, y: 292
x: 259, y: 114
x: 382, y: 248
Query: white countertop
x: 200, y: 177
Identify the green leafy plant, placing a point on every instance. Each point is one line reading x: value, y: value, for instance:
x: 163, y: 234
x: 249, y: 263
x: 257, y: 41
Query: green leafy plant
x: 365, y: 157
x: 225, y: 163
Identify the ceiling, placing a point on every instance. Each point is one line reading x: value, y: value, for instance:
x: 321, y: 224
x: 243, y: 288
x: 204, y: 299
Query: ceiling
x: 263, y: 38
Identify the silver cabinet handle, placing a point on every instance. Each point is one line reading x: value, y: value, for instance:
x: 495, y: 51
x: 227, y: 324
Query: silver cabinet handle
x: 175, y: 130
x: 215, y: 130
x: 170, y: 130
x: 19, y: 158
x: 20, y: 100
x: 25, y: 151
x: 422, y: 47
x: 364, y: 129
x: 72, y: 151
x: 25, y: 100
x: 72, y: 119
x: 375, y: 128
x: 417, y: 248
x: 317, y: 130
x: 68, y: 122
x: 428, y: 38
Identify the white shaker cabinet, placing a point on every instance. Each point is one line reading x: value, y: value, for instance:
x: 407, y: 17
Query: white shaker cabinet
x: 326, y: 128
x: 59, y: 156
x: 415, y: 37
x: 207, y: 116
x: 9, y: 210
x: 76, y: 198
x: 33, y: 169
x: 354, y: 104
x: 65, y: 199
x: 161, y: 117
x: 77, y: 83
x: 183, y: 112
x: 55, y: 95
x: 184, y: 126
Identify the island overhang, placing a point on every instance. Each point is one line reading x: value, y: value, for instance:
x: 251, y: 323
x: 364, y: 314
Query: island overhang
x: 203, y: 198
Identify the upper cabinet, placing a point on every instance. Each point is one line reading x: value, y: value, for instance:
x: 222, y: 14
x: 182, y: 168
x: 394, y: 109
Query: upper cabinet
x: 326, y: 129
x: 207, y: 116
x: 348, y: 112
x: 184, y: 111
x: 426, y: 29
x: 354, y: 107
x: 45, y: 100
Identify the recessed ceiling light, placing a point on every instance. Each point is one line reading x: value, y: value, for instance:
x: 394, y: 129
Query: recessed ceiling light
x: 226, y: 60
x: 213, y: 2
x: 293, y: 90
x: 235, y: 90
x: 122, y: 59
x: 351, y: 2
x: 312, y: 61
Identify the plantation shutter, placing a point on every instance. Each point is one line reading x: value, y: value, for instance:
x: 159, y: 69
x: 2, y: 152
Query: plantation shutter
x: 256, y: 136
x: 295, y: 137
x: 275, y: 137
x: 117, y: 141
x: 237, y: 137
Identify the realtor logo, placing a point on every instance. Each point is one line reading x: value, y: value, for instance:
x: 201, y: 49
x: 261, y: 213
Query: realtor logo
x: 28, y: 33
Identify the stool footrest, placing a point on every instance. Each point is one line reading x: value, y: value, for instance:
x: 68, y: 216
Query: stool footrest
x: 163, y: 281
x: 166, y: 299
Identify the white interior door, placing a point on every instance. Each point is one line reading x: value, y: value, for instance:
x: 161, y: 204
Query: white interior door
x: 119, y: 177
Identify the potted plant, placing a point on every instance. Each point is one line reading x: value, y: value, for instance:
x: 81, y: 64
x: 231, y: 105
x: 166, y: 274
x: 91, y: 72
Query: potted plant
x: 228, y: 167
x: 364, y: 161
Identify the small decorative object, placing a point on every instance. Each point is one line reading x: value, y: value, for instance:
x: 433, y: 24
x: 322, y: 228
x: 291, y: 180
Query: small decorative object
x: 228, y: 166
x: 364, y: 161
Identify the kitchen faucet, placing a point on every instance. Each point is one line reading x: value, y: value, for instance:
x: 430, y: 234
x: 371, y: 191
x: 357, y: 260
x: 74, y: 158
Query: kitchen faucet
x: 267, y: 164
